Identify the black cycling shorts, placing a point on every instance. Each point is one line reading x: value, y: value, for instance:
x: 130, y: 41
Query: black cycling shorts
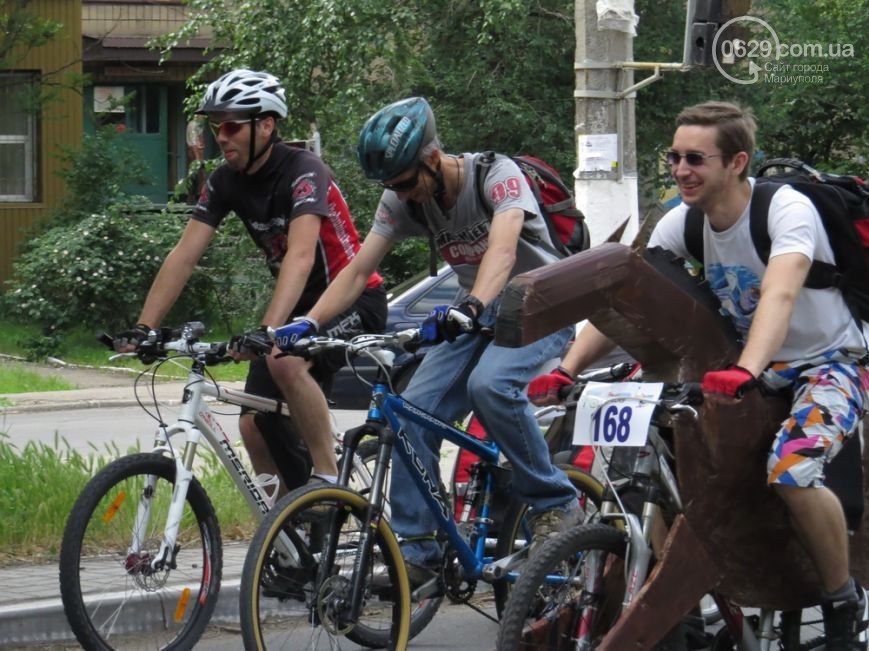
x: 368, y: 314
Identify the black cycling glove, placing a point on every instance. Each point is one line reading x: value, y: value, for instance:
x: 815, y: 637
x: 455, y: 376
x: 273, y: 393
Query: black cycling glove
x: 256, y: 341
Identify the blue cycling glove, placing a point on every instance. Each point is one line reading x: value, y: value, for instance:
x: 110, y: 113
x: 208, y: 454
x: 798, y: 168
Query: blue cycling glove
x: 299, y: 328
x: 446, y: 322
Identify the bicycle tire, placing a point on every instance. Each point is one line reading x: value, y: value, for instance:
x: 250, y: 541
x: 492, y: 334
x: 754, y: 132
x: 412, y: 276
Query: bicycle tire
x: 281, y: 605
x: 112, y: 599
x: 802, y: 630
x: 515, y: 533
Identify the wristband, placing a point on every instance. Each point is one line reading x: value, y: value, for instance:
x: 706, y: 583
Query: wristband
x: 563, y: 371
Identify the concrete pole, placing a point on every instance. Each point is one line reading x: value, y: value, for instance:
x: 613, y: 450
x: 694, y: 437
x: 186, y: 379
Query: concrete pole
x: 606, y: 174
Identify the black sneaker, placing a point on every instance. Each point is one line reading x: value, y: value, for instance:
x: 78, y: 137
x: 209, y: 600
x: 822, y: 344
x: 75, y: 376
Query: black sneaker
x: 845, y: 622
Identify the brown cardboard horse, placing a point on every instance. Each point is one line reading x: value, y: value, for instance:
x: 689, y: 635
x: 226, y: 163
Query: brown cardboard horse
x: 733, y: 536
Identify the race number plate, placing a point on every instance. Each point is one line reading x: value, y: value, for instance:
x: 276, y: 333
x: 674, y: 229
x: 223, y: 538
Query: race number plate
x: 615, y: 413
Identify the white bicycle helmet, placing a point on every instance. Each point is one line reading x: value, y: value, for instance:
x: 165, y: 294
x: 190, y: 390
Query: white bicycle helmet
x: 245, y: 91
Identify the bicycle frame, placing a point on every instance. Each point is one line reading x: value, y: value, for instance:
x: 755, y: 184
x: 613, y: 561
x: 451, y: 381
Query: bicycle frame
x: 195, y: 422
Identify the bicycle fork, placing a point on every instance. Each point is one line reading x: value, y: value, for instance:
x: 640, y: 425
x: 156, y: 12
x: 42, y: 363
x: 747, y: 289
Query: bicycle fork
x: 373, y: 515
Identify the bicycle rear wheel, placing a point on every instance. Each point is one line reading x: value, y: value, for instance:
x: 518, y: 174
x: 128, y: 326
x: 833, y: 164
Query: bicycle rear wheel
x: 289, y: 602
x: 112, y: 595
x: 515, y: 533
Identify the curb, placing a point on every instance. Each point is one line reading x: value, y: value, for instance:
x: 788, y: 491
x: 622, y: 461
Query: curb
x: 44, y: 621
x: 87, y: 404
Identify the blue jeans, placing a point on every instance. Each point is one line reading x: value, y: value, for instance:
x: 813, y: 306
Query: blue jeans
x: 473, y: 373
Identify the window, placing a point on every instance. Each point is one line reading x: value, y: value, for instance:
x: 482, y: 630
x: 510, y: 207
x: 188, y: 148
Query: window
x: 18, y: 151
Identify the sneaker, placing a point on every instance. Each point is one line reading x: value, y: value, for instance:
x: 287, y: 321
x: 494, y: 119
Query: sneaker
x: 846, y: 621
x: 548, y: 524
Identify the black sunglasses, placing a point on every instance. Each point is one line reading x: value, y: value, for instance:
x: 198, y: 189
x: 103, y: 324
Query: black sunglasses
x: 693, y: 158
x: 403, y: 186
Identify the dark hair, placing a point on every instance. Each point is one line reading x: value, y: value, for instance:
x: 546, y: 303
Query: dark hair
x: 734, y: 125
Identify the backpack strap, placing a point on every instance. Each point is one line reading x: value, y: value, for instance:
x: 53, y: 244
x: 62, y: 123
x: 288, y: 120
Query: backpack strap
x: 822, y: 275
x: 693, y: 233
x: 481, y: 168
x: 418, y: 216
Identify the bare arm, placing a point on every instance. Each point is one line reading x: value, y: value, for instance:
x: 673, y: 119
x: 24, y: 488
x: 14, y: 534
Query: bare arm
x: 350, y: 282
x: 500, y: 255
x: 302, y: 236
x: 590, y: 345
x: 779, y: 289
x: 175, y: 271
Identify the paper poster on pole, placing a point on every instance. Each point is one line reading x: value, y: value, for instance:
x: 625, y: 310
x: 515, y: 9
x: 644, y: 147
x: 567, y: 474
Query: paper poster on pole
x: 598, y: 152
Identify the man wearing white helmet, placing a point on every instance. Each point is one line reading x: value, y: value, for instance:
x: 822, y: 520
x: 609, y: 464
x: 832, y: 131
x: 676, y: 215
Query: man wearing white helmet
x: 294, y: 211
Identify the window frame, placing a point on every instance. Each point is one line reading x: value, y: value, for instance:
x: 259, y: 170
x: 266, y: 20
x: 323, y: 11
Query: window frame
x: 28, y: 139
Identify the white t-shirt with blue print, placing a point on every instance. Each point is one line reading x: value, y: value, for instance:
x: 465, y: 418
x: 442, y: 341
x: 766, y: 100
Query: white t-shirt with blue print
x: 820, y: 321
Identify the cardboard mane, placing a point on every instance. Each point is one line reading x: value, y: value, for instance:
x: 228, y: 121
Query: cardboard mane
x: 734, y: 536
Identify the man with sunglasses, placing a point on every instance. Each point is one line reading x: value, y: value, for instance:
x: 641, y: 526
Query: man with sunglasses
x: 486, y: 245
x: 296, y: 215
x: 796, y: 338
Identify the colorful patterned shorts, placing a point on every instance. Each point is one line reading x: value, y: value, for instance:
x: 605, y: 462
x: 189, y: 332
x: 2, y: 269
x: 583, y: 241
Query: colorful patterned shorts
x: 829, y: 398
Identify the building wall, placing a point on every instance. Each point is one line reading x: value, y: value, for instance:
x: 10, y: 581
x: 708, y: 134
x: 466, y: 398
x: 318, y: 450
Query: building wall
x: 60, y: 124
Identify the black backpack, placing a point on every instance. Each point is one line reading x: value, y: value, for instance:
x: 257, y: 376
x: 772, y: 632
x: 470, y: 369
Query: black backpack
x: 843, y: 204
x: 565, y: 222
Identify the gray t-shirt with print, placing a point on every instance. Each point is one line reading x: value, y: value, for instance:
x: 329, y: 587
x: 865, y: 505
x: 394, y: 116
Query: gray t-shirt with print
x: 462, y: 234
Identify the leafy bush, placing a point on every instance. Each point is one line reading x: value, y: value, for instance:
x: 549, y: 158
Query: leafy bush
x: 93, y: 274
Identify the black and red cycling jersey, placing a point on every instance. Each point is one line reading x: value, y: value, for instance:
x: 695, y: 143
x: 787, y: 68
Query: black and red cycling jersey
x: 292, y: 182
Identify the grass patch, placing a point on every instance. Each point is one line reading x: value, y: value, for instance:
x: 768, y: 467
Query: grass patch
x: 81, y: 347
x: 15, y: 379
x: 40, y: 483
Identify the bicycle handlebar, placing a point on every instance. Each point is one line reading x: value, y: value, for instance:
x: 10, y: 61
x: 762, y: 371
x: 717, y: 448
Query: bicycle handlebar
x: 408, y: 340
x: 183, y: 339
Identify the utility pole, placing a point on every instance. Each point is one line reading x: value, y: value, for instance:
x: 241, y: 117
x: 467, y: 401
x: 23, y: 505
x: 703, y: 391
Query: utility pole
x: 606, y: 175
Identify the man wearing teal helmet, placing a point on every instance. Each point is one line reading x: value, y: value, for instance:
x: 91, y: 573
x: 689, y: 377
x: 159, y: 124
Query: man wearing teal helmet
x: 486, y: 245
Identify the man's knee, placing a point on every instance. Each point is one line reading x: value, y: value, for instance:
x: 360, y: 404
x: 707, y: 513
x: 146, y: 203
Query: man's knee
x: 287, y: 371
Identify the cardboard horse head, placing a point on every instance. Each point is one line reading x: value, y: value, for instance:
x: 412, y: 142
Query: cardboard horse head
x: 733, y: 536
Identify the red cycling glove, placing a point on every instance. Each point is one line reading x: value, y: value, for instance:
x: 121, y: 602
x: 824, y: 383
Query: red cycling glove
x: 544, y: 388
x: 732, y: 381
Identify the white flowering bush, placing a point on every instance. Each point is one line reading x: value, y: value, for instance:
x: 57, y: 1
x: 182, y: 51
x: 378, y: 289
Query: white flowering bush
x: 95, y: 275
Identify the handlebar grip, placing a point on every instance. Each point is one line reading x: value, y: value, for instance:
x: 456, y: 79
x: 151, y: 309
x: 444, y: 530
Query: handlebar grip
x: 565, y: 391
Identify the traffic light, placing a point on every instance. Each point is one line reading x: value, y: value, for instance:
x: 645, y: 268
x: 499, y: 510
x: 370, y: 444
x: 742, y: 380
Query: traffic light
x: 705, y: 18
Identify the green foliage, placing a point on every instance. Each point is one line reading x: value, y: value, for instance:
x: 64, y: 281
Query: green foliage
x: 15, y: 379
x: 94, y: 174
x: 23, y: 484
x: 498, y: 73
x: 21, y: 31
x: 824, y: 123
x: 93, y: 274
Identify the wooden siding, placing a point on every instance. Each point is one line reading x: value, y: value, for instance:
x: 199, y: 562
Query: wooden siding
x: 60, y: 124
x: 119, y: 19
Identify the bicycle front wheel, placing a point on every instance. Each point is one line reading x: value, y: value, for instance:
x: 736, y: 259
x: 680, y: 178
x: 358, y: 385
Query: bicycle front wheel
x: 289, y: 602
x: 115, y: 593
x: 572, y: 588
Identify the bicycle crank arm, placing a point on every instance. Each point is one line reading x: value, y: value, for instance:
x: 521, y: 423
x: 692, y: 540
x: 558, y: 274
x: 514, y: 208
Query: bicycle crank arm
x: 498, y: 569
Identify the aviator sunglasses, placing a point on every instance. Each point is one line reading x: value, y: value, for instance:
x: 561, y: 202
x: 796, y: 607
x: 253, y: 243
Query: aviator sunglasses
x: 692, y: 158
x: 228, y: 127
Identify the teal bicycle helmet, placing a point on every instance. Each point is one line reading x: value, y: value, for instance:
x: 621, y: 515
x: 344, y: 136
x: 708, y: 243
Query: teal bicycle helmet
x: 393, y: 138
